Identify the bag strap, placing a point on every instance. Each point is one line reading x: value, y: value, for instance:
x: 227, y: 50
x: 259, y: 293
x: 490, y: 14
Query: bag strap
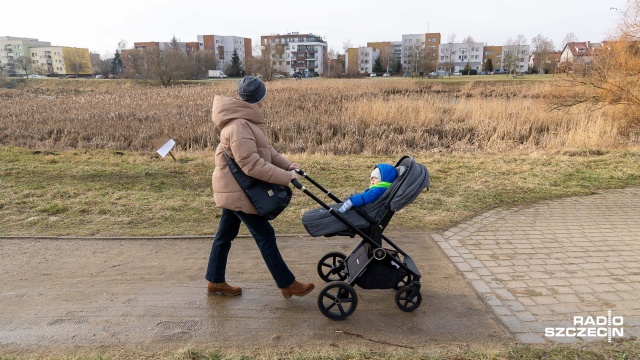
x: 244, y: 181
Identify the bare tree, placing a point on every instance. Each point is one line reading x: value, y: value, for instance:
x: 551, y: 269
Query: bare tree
x: 23, y: 63
x: 542, y: 47
x: 164, y: 65
x: 613, y: 77
x: 267, y: 60
x: 514, y: 52
x: 77, y: 60
x: 468, y: 41
x: 347, y: 45
x: 446, y: 54
x: 386, y: 57
x: 569, y: 38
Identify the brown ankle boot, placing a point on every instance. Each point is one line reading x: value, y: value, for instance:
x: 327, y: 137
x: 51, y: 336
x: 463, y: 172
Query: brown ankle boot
x: 223, y: 288
x: 297, y: 288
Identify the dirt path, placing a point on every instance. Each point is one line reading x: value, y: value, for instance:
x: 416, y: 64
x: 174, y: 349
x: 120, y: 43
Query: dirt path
x: 83, y: 294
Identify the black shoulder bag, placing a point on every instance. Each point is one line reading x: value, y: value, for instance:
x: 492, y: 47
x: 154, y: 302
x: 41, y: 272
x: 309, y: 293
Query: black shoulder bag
x: 268, y: 199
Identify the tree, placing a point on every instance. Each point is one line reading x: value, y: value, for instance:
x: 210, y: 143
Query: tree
x: 468, y: 41
x: 200, y: 62
x: 488, y: 65
x: 398, y: 67
x: 513, y: 53
x: 164, y: 65
x: 386, y: 57
x: 22, y: 63
x: 542, y: 47
x: 265, y: 61
x: 612, y: 80
x: 234, y: 69
x: 377, y: 66
x: 447, y: 54
x: 569, y: 38
x: 116, y: 64
x: 77, y: 60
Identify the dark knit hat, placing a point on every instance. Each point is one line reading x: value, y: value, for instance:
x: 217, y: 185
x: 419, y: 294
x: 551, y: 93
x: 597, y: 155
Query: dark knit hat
x: 251, y: 89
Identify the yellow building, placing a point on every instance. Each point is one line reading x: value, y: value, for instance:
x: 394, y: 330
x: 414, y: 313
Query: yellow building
x: 495, y: 54
x: 351, y: 62
x: 60, y: 60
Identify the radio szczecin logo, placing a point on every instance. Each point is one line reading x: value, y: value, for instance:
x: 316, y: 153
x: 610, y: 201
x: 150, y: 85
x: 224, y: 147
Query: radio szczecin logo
x: 590, y: 326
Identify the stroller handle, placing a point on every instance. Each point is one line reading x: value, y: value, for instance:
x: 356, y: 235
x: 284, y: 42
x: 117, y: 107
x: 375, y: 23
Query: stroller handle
x: 297, y: 184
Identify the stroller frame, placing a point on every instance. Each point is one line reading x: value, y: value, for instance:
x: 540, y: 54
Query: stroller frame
x: 338, y: 299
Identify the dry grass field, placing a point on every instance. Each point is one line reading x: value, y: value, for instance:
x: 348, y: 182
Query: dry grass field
x: 316, y: 116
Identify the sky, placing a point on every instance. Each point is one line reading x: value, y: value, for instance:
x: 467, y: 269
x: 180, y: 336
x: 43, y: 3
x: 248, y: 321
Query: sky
x: 101, y: 26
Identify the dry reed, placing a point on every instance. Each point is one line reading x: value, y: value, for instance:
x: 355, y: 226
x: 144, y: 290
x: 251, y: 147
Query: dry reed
x: 372, y: 116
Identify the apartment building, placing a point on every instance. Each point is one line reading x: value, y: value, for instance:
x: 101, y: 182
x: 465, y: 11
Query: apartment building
x: 458, y: 56
x: 293, y: 52
x: 224, y: 46
x: 579, y: 53
x: 515, y: 58
x: 12, y: 48
x: 364, y: 59
x: 493, y: 53
x: 390, y: 53
x: 419, y: 51
x: 351, y: 61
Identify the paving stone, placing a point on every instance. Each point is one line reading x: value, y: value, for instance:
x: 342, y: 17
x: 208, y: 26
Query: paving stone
x: 530, y: 338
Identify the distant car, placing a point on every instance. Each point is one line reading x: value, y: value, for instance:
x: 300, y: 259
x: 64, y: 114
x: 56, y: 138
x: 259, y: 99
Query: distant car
x: 278, y: 76
x: 36, y: 76
x: 296, y: 76
x: 373, y: 75
x: 386, y: 74
x: 99, y: 76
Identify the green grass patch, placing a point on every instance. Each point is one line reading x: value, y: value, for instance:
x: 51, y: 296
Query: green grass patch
x: 101, y: 192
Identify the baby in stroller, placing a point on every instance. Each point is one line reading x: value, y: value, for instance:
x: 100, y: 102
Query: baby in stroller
x: 381, y: 178
x: 376, y: 262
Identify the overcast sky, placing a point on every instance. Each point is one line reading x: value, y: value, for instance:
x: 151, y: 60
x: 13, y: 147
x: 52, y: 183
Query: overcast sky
x: 100, y: 26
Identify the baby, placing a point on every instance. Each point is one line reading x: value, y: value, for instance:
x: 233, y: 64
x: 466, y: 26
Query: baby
x: 381, y: 178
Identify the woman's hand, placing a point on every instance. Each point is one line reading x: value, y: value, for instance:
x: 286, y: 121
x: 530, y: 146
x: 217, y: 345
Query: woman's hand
x: 293, y: 166
x: 294, y: 174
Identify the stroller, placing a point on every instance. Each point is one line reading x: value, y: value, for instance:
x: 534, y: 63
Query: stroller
x: 369, y: 265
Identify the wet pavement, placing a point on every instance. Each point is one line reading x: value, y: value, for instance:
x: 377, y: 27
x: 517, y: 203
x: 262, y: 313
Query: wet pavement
x: 540, y: 267
x: 506, y: 275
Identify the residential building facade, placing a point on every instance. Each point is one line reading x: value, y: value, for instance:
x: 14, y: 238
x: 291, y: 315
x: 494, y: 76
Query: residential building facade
x: 224, y: 46
x: 351, y: 62
x: 493, y: 54
x: 293, y: 52
x: 456, y: 57
x: 11, y: 48
x: 579, y: 53
x: 420, y: 51
x: 515, y: 58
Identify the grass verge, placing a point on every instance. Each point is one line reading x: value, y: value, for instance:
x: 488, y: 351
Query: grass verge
x: 110, y: 193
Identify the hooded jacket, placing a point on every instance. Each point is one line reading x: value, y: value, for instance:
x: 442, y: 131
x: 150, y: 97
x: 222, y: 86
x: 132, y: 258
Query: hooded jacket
x: 388, y: 174
x: 244, y: 137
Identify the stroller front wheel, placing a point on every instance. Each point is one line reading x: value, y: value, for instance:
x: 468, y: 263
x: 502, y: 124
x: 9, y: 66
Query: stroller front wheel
x: 338, y: 300
x: 331, y: 267
x: 408, y: 298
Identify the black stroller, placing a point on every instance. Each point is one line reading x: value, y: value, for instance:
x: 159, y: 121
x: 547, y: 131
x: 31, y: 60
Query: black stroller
x: 370, y: 265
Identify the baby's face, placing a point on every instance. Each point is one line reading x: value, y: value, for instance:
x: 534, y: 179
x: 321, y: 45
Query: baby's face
x: 374, y: 180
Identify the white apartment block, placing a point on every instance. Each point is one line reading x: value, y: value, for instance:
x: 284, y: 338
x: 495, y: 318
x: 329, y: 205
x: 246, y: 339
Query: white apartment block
x: 12, y: 48
x: 413, y: 51
x: 224, y: 46
x: 397, y: 52
x: 516, y: 58
x: 460, y: 55
x: 297, y: 53
x: 366, y: 57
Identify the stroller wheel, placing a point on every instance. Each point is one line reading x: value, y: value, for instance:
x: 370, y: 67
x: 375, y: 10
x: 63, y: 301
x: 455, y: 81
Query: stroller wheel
x: 404, y: 282
x: 337, y: 300
x: 331, y: 267
x: 408, y: 298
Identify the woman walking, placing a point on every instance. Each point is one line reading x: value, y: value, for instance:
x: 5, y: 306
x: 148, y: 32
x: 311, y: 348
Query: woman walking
x: 243, y: 137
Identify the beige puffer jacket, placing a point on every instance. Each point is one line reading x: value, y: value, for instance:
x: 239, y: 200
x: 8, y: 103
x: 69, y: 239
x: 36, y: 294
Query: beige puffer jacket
x: 244, y: 137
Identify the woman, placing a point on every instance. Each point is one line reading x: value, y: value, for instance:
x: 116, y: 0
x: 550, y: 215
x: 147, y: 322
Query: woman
x: 243, y: 136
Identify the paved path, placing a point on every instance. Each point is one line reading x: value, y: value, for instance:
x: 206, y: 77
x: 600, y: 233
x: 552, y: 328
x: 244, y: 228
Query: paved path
x: 541, y: 266
x: 504, y: 275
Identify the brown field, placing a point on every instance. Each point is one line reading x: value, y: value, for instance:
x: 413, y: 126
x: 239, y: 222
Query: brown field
x: 324, y: 116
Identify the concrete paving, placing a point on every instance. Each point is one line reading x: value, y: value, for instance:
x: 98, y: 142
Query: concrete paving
x: 542, y: 266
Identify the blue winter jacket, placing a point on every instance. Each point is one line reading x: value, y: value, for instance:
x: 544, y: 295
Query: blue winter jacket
x: 388, y: 174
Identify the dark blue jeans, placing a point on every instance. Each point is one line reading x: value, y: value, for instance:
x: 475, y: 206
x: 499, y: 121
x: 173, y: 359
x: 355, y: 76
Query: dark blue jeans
x: 265, y: 237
